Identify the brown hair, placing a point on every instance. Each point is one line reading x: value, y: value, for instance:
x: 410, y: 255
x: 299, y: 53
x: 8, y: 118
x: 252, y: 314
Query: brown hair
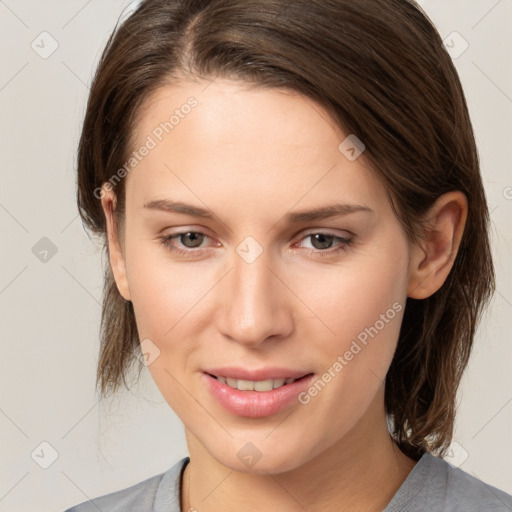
x: 380, y: 68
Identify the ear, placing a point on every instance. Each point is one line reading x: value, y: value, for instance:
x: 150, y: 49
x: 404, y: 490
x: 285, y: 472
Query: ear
x: 432, y: 258
x: 117, y: 260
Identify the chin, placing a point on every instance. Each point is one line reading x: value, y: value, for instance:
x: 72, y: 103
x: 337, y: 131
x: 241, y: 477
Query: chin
x: 250, y: 457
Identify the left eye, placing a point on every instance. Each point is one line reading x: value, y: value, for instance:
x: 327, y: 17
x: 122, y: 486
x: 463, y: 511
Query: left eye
x: 323, y: 241
x: 191, y: 239
x: 187, y: 241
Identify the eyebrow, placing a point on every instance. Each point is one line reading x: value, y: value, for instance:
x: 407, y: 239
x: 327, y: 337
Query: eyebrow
x: 324, y: 212
x: 178, y: 207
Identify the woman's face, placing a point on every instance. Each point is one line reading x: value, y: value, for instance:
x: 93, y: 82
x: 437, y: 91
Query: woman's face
x: 259, y: 287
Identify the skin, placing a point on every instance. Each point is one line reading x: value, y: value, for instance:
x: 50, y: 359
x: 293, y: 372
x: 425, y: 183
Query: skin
x: 251, y: 156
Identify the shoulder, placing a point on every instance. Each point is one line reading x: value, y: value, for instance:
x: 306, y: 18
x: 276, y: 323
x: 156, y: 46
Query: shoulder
x: 143, y: 496
x: 465, y: 491
x: 436, y: 485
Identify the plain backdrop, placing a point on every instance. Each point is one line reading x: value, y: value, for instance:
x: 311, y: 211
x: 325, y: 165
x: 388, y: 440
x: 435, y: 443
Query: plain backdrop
x: 50, y: 271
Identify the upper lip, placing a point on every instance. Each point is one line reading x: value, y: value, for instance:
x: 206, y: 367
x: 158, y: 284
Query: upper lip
x: 257, y: 373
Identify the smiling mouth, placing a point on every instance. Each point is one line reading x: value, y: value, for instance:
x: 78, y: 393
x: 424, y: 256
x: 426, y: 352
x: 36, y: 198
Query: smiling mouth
x: 256, y: 385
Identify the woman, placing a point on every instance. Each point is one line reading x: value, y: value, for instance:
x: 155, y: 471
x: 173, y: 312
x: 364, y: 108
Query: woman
x: 297, y: 232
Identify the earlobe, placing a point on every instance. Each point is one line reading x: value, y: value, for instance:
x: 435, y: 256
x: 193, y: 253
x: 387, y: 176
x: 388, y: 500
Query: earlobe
x: 432, y: 259
x: 117, y: 260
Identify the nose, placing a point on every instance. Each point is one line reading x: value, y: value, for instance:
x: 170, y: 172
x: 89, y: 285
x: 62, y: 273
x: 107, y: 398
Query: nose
x: 256, y: 305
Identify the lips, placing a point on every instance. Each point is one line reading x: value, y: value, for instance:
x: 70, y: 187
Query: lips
x: 253, y: 397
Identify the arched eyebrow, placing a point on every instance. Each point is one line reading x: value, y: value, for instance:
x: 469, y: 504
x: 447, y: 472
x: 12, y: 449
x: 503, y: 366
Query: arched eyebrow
x: 324, y: 212
x: 179, y: 207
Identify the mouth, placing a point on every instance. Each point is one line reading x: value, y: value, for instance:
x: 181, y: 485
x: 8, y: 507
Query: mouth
x: 256, y: 385
x: 271, y: 391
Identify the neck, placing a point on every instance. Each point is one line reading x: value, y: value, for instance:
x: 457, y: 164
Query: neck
x: 361, y: 471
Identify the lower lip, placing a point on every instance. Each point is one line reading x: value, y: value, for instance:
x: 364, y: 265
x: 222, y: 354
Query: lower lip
x: 256, y: 404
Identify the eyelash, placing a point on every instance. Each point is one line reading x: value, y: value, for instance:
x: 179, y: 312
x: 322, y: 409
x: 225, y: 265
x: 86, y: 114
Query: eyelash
x: 166, y: 241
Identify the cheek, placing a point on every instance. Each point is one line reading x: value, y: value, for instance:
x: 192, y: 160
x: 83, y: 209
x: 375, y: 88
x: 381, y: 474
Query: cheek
x: 162, y: 292
x: 359, y: 306
x: 364, y: 310
x: 166, y: 299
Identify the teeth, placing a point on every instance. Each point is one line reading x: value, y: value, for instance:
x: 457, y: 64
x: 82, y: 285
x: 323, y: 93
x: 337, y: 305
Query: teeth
x: 255, y: 385
x: 245, y: 385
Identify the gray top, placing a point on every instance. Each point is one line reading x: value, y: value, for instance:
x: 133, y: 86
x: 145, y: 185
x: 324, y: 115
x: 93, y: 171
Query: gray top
x: 433, y: 485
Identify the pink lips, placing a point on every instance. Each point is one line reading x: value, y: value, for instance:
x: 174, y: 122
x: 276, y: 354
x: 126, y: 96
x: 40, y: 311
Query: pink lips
x: 256, y: 404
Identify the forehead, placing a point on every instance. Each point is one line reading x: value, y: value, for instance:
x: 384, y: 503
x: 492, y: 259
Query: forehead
x: 224, y: 138
x: 225, y: 107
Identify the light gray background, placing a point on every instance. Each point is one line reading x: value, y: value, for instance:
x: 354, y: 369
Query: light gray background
x: 51, y: 310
